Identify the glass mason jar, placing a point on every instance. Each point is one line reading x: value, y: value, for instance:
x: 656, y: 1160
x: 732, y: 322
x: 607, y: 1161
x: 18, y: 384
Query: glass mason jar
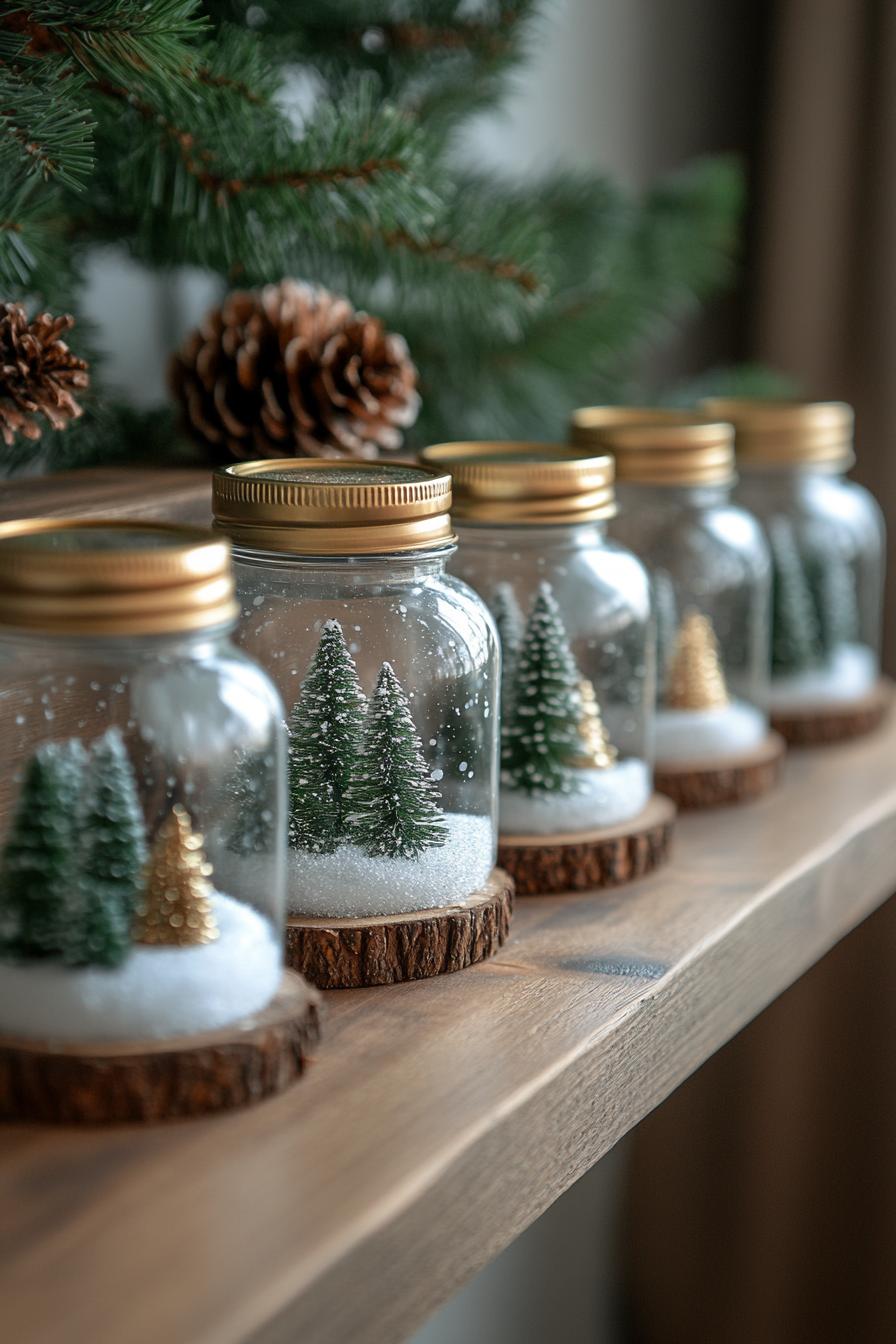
x: 709, y: 571
x: 388, y: 667
x: 143, y: 819
x: 827, y: 542
x: 573, y: 613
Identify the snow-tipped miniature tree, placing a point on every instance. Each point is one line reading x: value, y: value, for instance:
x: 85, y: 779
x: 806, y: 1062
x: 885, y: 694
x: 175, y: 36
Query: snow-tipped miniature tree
x: 111, y: 858
x: 796, y: 641
x: 251, y: 825
x: 665, y: 619
x: 833, y: 588
x: 324, y: 739
x: 510, y: 626
x: 541, y: 734
x: 393, y: 806
x: 38, y: 873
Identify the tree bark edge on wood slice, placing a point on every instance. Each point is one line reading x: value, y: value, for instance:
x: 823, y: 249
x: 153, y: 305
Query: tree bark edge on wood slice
x: 389, y: 949
x: 177, y: 1078
x: 695, y: 785
x: 822, y: 725
x: 542, y: 865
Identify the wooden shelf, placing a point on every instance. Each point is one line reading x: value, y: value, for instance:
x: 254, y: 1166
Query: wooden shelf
x: 442, y: 1116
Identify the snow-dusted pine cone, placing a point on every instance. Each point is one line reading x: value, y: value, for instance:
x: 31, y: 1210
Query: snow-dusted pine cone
x: 38, y: 373
x: 293, y: 370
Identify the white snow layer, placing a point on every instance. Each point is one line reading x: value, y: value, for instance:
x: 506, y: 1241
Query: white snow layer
x: 605, y: 797
x: 848, y: 675
x: 352, y: 884
x: 704, y: 734
x: 156, y: 992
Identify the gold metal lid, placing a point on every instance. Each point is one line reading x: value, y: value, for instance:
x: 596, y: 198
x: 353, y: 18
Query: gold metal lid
x: 98, y: 576
x: 317, y: 506
x: 515, y: 482
x: 658, y: 445
x: 788, y: 433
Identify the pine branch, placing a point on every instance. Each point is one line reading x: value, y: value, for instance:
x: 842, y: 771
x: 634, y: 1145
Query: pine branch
x: 444, y: 250
x: 110, y: 37
x: 441, y: 63
x: 623, y: 271
x: 234, y: 185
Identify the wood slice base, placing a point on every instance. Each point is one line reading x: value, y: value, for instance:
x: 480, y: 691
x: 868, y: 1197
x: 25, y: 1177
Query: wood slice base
x: 387, y: 949
x: 820, y: 725
x: 584, y: 860
x: 163, y: 1080
x: 719, y: 783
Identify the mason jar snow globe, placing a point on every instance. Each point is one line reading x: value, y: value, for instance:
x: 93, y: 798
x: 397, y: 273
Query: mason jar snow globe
x: 573, y: 612
x: 710, y: 575
x: 388, y: 669
x: 143, y: 820
x: 827, y: 542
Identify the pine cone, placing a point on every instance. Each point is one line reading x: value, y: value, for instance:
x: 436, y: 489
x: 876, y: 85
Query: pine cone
x: 38, y: 373
x: 293, y: 370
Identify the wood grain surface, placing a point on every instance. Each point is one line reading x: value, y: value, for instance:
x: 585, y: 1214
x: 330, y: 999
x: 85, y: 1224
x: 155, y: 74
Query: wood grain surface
x: 824, y: 724
x: 585, y: 860
x: 696, y: 784
x: 174, y: 495
x: 387, y: 949
x: 164, y: 1080
x: 442, y: 1116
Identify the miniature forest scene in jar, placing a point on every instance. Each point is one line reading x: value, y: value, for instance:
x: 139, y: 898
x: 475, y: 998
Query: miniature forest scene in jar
x: 572, y: 612
x: 135, y: 733
x: 827, y: 546
x: 388, y: 668
x: 709, y: 572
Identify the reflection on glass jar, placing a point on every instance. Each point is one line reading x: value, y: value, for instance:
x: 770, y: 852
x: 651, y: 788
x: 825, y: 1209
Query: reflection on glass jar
x: 144, y: 753
x: 388, y: 669
x: 827, y: 542
x: 572, y: 610
x: 709, y: 569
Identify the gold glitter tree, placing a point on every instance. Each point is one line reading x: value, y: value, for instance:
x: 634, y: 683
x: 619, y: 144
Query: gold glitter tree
x: 695, y: 679
x: 176, y: 909
x: 597, y: 752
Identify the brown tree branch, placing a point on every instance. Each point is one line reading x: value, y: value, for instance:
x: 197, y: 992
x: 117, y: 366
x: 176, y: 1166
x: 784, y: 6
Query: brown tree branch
x: 197, y: 161
x: 498, y: 268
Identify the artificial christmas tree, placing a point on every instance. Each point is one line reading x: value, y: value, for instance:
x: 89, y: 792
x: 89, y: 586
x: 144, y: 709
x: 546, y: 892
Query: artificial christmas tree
x: 38, y: 871
x: 510, y: 626
x: 111, y: 854
x: 832, y: 586
x: 596, y: 751
x: 796, y: 640
x: 695, y: 679
x: 665, y: 615
x: 392, y: 805
x: 248, y: 803
x: 541, y: 733
x: 166, y: 126
x: 176, y: 910
x: 325, y: 730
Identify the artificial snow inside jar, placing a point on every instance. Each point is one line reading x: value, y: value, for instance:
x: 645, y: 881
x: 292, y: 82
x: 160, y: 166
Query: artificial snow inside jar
x: 573, y: 614
x: 388, y: 668
x: 710, y: 573
x: 143, y: 778
x: 827, y: 542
